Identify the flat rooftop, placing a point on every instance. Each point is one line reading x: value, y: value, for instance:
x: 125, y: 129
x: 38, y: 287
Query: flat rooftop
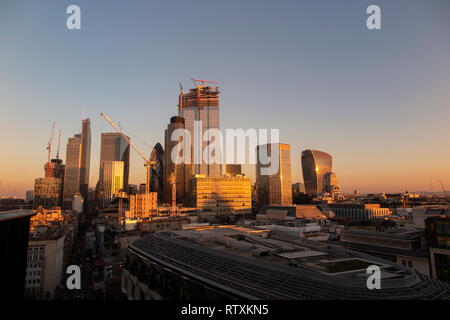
x: 15, y: 214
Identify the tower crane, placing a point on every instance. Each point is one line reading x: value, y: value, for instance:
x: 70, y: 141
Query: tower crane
x: 443, y: 188
x: 148, y: 163
x: 59, y: 143
x: 202, y: 81
x: 49, y: 148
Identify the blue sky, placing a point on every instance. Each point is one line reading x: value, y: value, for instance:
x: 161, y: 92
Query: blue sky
x: 378, y: 101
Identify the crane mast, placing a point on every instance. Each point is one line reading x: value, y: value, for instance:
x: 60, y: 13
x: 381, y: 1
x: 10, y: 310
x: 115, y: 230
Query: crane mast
x: 49, y: 148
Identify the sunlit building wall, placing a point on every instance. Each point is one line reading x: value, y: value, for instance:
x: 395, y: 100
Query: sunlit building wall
x: 274, y: 189
x: 315, y: 165
x: 85, y: 157
x: 111, y: 180
x: 47, y: 192
x: 142, y: 205
x: 222, y: 194
x: 114, y: 147
x: 72, y: 170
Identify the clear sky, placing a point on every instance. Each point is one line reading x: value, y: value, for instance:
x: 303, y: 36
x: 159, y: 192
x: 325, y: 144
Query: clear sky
x: 378, y: 101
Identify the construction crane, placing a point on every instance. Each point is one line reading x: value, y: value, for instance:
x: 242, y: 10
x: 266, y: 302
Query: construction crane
x: 148, y: 163
x: 49, y: 148
x: 202, y: 81
x: 59, y: 144
x: 443, y: 188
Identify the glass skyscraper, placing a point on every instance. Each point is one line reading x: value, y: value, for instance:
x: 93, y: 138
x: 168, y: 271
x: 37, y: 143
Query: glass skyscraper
x: 72, y: 171
x: 275, y: 189
x: 115, y: 148
x: 315, y: 165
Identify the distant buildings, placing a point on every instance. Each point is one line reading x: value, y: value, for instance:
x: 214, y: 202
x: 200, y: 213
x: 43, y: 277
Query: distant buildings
x: 72, y: 171
x: 111, y: 180
x: 352, y: 211
x: 222, y: 194
x: 275, y: 189
x: 29, y: 197
x: 114, y: 147
x: 315, y: 165
x: 14, y: 233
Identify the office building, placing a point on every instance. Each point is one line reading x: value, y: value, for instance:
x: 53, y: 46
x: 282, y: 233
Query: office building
x: 157, y: 170
x: 85, y: 157
x: 115, y: 148
x: 72, y: 170
x: 315, y: 165
x: 47, y: 192
x: 142, y: 205
x: 437, y: 233
x: 369, y: 211
x: 181, y: 179
x: 111, y: 180
x: 201, y: 104
x: 275, y: 189
x: 29, y: 197
x: 14, y: 234
x: 222, y: 194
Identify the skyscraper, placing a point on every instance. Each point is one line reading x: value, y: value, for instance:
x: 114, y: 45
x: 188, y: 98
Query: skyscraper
x: 181, y: 181
x: 315, y: 165
x: 275, y: 189
x: 157, y: 170
x: 85, y: 157
x: 111, y: 180
x: 115, y: 148
x: 201, y: 104
x: 72, y: 171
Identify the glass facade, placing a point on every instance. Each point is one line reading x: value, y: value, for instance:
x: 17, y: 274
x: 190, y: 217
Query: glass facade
x: 115, y: 148
x: 72, y: 171
x: 315, y: 165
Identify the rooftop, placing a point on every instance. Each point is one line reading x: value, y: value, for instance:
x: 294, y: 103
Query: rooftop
x: 15, y: 214
x: 254, y: 264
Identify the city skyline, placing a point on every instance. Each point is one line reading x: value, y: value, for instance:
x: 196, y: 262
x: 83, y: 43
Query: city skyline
x: 385, y: 124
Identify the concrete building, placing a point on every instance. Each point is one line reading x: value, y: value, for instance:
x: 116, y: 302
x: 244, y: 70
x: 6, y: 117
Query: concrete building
x: 331, y: 184
x: 45, y: 261
x: 274, y: 189
x: 200, y: 104
x: 114, y: 147
x: 111, y: 180
x: 47, y: 192
x: 315, y: 165
x: 438, y: 238
x: 222, y: 194
x: 142, y: 205
x: 29, y: 197
x: 310, y: 212
x: 352, y: 211
x: 14, y: 233
x: 400, y: 246
x: 72, y: 170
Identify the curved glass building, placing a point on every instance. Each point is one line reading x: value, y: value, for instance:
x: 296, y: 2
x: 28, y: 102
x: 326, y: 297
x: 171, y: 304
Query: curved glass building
x: 315, y: 165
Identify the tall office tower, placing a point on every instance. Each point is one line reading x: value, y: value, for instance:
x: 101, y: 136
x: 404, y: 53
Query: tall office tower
x: 233, y: 169
x: 56, y: 169
x: 85, y: 157
x: 157, y: 171
x: 315, y: 165
x: 181, y: 180
x: 115, y: 148
x: 72, y: 171
x: 331, y: 184
x: 201, y: 104
x: 275, y: 189
x: 111, y: 180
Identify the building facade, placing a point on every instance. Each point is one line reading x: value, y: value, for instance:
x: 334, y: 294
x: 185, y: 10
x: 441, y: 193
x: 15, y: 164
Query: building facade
x: 111, y: 180
x: 47, y: 192
x: 72, y: 170
x: 222, y: 194
x: 142, y: 205
x: 275, y: 189
x: 85, y: 157
x: 315, y: 165
x: 115, y: 148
